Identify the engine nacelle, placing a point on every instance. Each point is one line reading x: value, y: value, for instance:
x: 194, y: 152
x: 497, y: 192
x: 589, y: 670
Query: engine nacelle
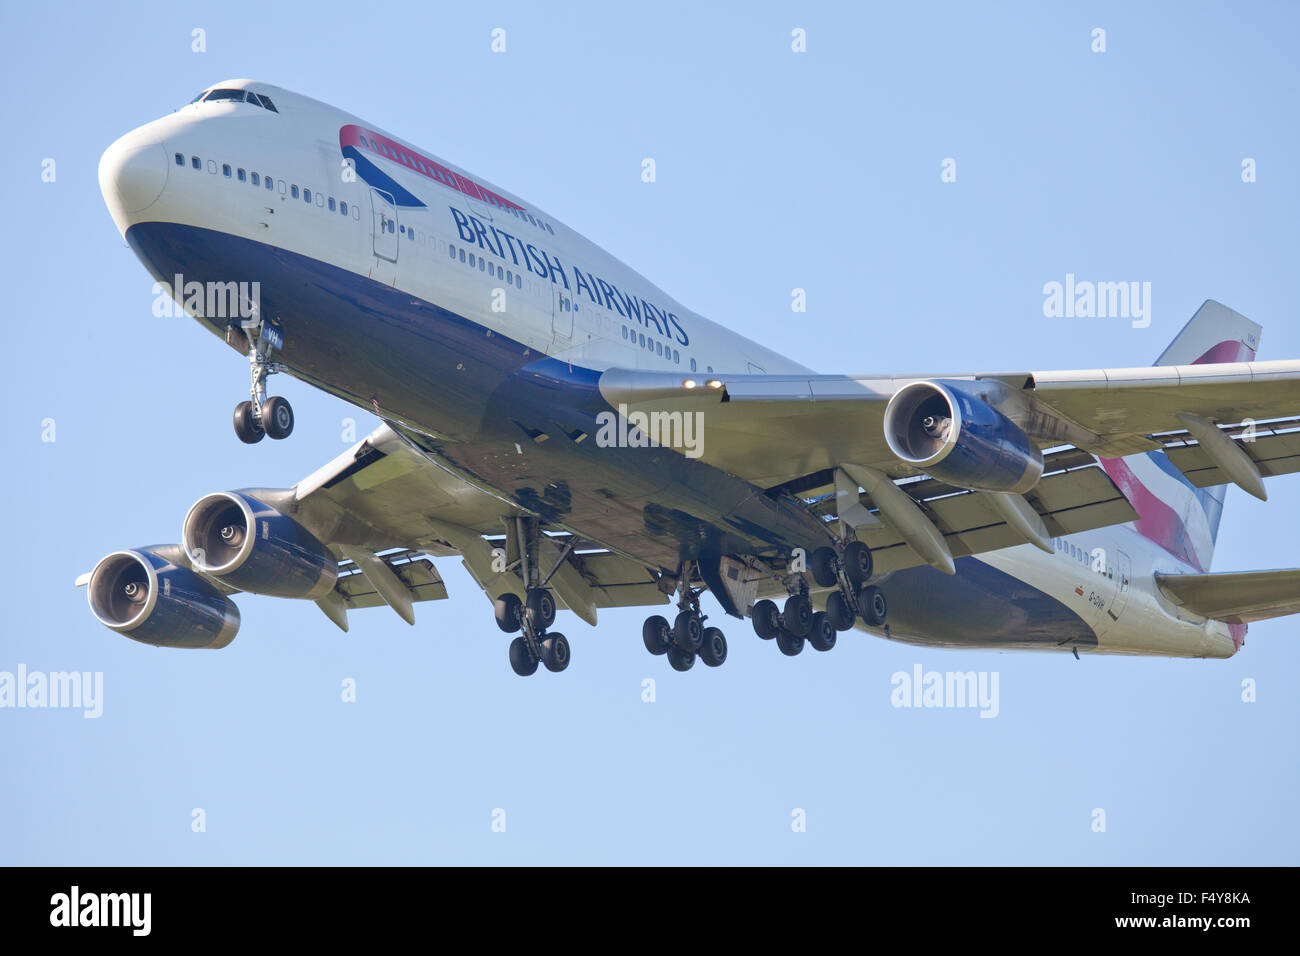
x: 249, y: 545
x: 946, y: 430
x: 155, y: 601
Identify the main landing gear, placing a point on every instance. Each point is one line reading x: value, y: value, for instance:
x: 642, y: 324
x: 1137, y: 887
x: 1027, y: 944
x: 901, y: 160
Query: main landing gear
x: 686, y: 638
x: 796, y: 624
x: 262, y: 416
x: 533, y: 615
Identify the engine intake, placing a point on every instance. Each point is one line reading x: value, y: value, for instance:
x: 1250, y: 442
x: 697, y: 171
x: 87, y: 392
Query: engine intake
x: 249, y: 545
x: 152, y: 600
x: 947, y: 430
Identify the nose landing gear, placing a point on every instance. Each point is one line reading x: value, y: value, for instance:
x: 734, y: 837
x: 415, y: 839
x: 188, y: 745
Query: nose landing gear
x: 262, y: 415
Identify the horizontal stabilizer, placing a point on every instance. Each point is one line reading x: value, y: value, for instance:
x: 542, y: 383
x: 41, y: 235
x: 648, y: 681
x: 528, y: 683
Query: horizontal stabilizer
x: 1237, y: 598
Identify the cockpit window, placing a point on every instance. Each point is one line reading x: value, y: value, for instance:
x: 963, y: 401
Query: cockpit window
x: 237, y: 96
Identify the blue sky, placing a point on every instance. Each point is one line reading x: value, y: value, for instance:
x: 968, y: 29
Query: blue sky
x: 775, y: 170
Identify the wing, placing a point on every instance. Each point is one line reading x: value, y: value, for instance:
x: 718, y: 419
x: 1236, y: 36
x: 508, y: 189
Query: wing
x: 773, y: 429
x: 385, y: 510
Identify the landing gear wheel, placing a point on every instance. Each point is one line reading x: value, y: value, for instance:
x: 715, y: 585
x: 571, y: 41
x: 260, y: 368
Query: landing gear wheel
x: 766, y: 619
x: 655, y: 635
x: 522, y: 661
x: 822, y: 636
x: 873, y: 607
x: 822, y: 563
x: 509, y: 611
x: 790, y: 644
x: 688, y: 631
x: 797, y: 616
x: 277, y: 417
x: 541, y: 608
x: 857, y: 563
x: 246, y: 425
x: 680, y: 660
x: 714, y: 649
x: 555, y: 653
x: 839, y: 611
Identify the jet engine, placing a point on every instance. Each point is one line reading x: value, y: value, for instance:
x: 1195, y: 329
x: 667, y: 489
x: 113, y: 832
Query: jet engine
x: 249, y: 545
x: 154, y: 601
x: 945, y: 429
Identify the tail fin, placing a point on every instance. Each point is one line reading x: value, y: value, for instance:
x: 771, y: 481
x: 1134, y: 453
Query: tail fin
x: 1175, y: 514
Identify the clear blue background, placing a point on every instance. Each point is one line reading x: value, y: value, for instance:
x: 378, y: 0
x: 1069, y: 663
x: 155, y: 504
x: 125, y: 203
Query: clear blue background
x: 775, y: 171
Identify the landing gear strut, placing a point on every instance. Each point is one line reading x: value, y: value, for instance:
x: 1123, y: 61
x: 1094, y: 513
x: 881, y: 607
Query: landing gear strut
x: 261, y: 415
x: 847, y: 571
x: 686, y: 638
x: 536, y: 612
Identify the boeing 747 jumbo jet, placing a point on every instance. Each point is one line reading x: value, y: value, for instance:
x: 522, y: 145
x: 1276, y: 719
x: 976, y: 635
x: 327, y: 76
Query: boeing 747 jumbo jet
x: 580, y: 439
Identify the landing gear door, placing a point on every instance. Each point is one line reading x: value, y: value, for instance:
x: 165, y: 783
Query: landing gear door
x: 383, y: 217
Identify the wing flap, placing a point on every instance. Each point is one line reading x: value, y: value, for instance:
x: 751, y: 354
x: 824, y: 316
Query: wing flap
x: 1274, y: 447
x: 416, y: 572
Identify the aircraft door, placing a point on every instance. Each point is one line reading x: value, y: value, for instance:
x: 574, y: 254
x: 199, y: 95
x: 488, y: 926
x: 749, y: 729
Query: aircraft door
x: 383, y: 220
x: 562, y: 314
x: 1123, y: 580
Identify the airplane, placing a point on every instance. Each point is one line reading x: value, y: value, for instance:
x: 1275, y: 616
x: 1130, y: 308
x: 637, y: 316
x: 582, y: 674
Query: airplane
x: 581, y: 440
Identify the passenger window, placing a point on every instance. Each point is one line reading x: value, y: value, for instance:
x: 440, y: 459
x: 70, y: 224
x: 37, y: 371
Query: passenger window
x: 519, y: 282
x: 241, y: 175
x: 257, y: 180
x: 343, y: 207
x: 356, y: 211
x: 268, y: 182
x: 225, y: 170
x: 692, y: 365
x: 510, y: 277
x: 451, y: 249
x: 212, y: 167
x: 677, y: 357
x: 625, y: 333
x: 196, y: 162
x: 642, y: 338
x: 180, y: 159
x: 306, y: 195
x: 462, y: 255
x: 471, y: 260
x: 482, y: 263
x: 331, y: 203
x: 280, y: 183
x: 320, y: 200
x: 293, y: 190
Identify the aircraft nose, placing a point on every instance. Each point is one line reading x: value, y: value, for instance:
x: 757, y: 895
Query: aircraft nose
x: 132, y: 174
